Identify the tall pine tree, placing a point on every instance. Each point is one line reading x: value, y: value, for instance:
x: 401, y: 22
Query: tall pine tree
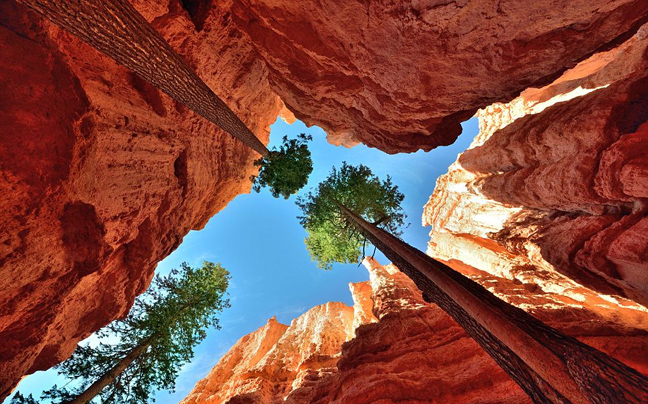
x: 352, y: 205
x: 331, y: 237
x: 145, y: 351
x: 117, y: 29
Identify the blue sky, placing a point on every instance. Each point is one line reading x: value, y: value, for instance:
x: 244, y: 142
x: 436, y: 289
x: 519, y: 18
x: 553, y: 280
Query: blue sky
x: 259, y: 240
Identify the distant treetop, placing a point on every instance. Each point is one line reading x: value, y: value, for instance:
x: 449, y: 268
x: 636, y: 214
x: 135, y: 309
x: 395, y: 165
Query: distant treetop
x: 285, y: 171
x: 330, y: 237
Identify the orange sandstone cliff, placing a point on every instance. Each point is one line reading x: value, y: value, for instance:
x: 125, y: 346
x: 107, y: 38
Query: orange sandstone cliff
x: 402, y: 75
x: 277, y: 360
x: 101, y: 175
x: 553, y: 190
x: 546, y: 209
x: 399, y: 349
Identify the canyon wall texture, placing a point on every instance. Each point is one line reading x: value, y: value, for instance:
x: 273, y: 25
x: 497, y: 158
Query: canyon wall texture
x: 554, y: 187
x: 101, y: 175
x: 402, y: 350
x: 272, y: 362
x: 546, y: 209
x: 402, y: 75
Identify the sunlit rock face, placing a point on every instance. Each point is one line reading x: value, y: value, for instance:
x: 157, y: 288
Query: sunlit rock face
x: 278, y: 360
x: 414, y: 353
x: 102, y: 175
x: 552, y: 192
x: 402, y: 75
x: 406, y: 351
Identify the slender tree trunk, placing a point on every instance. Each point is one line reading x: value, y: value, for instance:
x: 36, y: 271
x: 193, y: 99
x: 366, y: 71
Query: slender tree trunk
x: 110, y: 376
x: 550, y: 366
x: 115, y: 28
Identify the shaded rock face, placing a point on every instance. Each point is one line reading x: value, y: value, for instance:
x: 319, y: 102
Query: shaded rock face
x: 401, y: 76
x: 102, y: 175
x: 406, y: 351
x: 553, y: 189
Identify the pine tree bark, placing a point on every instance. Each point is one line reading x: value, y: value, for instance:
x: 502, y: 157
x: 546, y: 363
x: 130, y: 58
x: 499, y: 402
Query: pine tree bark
x: 110, y: 376
x: 550, y: 366
x: 116, y: 29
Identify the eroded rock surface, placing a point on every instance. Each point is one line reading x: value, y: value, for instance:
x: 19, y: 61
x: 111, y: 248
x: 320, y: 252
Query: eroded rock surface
x: 101, y: 175
x: 278, y: 360
x: 402, y: 75
x: 553, y: 189
x: 411, y: 351
x: 546, y: 210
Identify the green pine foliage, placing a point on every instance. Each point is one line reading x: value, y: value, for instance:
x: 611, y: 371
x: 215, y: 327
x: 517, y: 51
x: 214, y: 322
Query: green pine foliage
x: 20, y: 399
x: 285, y: 171
x: 331, y: 238
x: 165, y: 323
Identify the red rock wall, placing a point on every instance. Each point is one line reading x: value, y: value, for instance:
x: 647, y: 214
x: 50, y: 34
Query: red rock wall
x: 546, y: 210
x: 554, y: 186
x: 411, y: 351
x: 402, y: 75
x: 101, y: 175
x: 278, y: 360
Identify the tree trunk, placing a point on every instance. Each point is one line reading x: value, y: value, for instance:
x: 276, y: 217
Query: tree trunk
x: 110, y: 376
x: 550, y: 366
x: 116, y: 29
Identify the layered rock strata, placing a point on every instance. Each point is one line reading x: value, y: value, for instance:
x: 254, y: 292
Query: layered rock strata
x: 553, y: 189
x: 411, y: 351
x: 402, y: 75
x: 101, y: 175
